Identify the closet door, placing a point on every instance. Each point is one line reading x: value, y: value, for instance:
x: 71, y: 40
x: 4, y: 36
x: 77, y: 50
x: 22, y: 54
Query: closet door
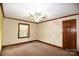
x: 69, y: 34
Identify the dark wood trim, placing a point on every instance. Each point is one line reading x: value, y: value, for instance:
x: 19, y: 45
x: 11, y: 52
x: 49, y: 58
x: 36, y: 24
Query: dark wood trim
x: 20, y: 20
x: 32, y: 41
x: 2, y: 9
x: 28, y: 30
x: 60, y: 17
x: 76, y: 33
x: 0, y: 4
x: 14, y: 18
x: 37, y: 41
x: 19, y: 43
x: 42, y: 21
x: 54, y: 45
x: 36, y: 22
x: 78, y: 53
x: 49, y: 44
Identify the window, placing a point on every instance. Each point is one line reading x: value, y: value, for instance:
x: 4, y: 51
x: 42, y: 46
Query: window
x: 23, y: 30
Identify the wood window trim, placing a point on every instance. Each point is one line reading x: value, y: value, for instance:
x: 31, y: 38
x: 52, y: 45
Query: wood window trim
x: 19, y: 30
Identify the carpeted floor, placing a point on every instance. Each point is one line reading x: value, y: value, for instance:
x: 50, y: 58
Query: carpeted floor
x: 33, y: 49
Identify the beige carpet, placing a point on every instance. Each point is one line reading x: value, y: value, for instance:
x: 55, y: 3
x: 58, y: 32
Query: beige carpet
x: 33, y: 49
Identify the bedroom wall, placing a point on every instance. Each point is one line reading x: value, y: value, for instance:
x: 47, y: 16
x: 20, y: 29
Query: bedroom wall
x: 10, y: 32
x: 1, y: 18
x: 51, y: 31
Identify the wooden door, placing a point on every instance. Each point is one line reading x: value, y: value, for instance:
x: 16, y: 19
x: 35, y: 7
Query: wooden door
x: 69, y: 34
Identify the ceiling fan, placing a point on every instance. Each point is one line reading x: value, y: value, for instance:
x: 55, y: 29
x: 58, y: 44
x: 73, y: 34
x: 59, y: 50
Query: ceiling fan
x: 37, y: 16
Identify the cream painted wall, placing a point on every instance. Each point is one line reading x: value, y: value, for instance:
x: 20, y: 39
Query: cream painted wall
x: 10, y: 32
x: 51, y: 31
x: 1, y: 18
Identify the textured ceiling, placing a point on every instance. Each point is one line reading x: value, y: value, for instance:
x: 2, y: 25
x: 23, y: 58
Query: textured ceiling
x: 50, y: 10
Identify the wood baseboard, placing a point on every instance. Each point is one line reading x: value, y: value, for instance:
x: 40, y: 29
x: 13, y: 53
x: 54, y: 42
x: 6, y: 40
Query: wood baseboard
x: 38, y: 41
x: 49, y: 44
x: 33, y: 41
x: 55, y: 46
x: 19, y: 43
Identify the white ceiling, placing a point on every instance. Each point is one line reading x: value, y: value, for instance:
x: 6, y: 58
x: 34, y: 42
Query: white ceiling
x: 51, y: 10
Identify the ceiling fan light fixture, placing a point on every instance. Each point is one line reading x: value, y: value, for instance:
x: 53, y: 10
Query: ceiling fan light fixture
x: 37, y: 16
x: 37, y: 20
